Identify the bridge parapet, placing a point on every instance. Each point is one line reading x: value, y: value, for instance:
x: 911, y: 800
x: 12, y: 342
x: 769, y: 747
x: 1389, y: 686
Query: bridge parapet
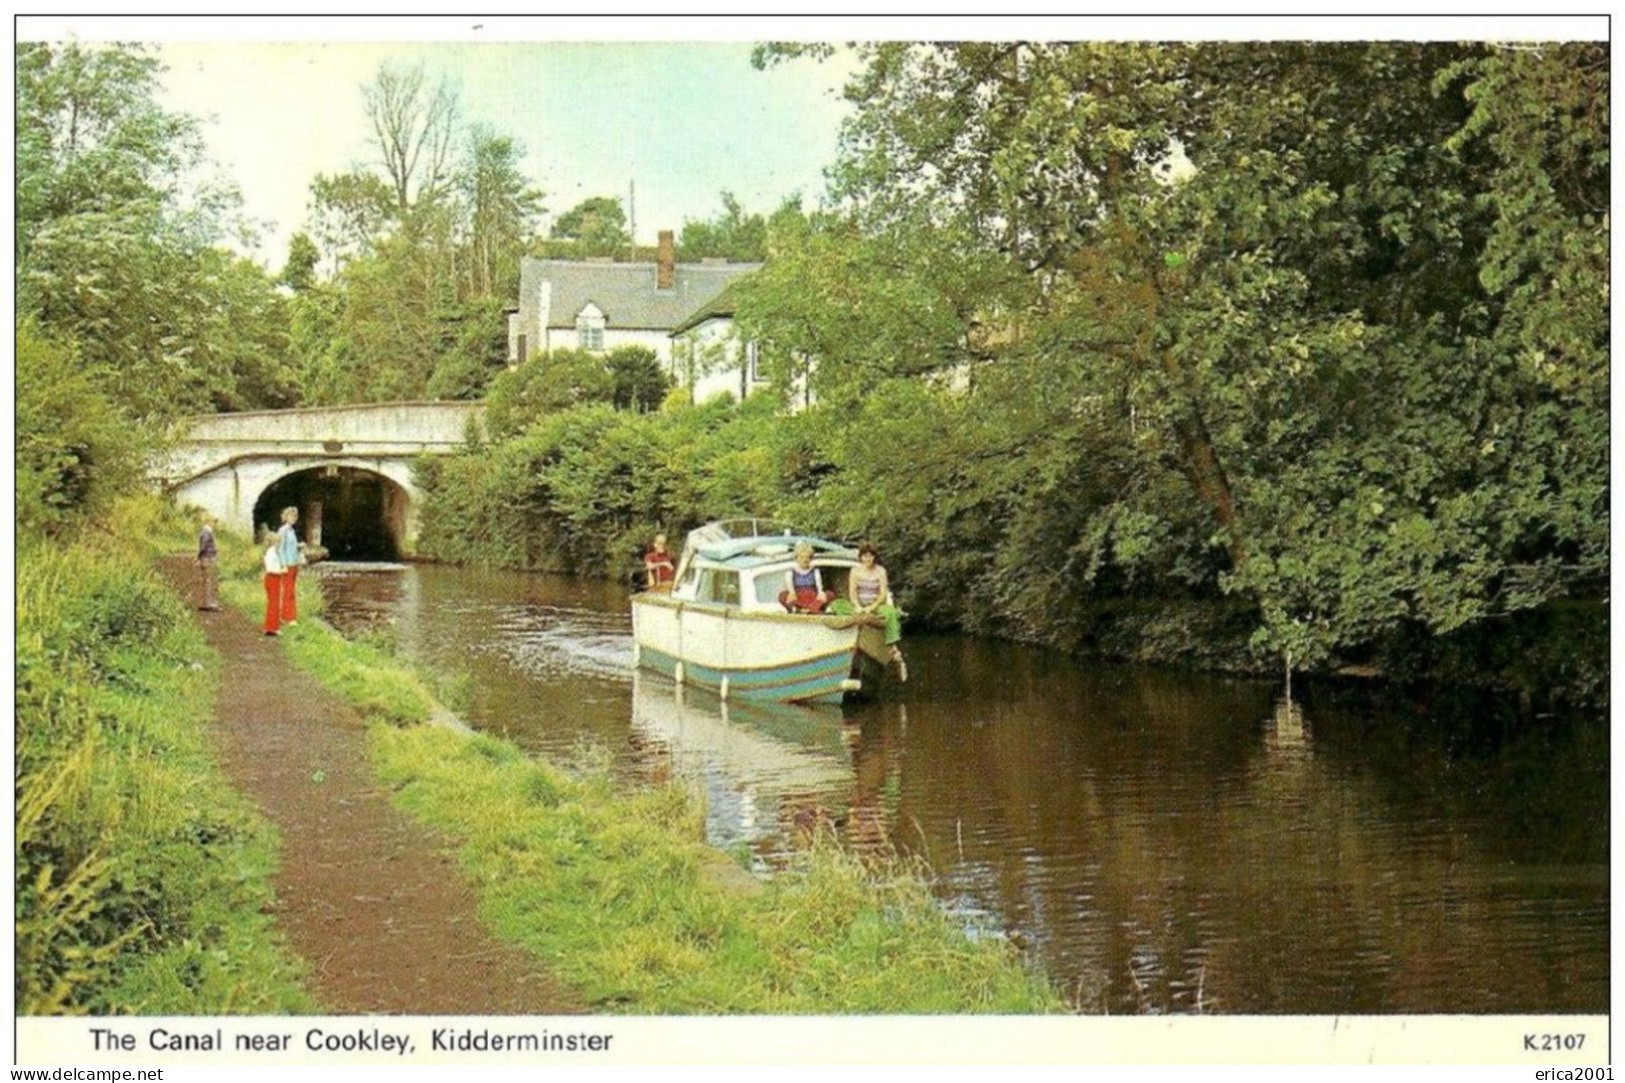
x: 391, y: 430
x: 404, y: 422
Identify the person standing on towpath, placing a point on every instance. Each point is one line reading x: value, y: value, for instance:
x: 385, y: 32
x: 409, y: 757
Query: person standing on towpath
x: 291, y: 552
x: 273, y: 577
x: 208, y: 565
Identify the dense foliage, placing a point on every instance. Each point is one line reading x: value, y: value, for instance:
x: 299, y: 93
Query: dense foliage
x: 584, y: 489
x: 597, y: 225
x: 1218, y: 352
x: 1320, y: 328
x: 423, y: 259
x: 628, y: 378
x: 119, y: 226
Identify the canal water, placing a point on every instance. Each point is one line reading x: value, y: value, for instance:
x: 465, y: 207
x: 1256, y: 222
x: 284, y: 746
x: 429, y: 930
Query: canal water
x: 1159, y: 841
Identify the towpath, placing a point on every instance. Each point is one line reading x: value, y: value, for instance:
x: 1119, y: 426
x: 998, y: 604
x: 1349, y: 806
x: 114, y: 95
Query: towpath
x: 371, y: 899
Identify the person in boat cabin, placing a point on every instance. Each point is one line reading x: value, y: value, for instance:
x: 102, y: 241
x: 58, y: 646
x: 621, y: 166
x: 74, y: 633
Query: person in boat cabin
x: 803, y: 586
x: 658, y: 567
x: 869, y: 591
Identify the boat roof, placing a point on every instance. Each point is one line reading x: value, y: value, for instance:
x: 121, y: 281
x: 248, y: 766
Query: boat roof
x: 751, y: 543
x: 768, y: 549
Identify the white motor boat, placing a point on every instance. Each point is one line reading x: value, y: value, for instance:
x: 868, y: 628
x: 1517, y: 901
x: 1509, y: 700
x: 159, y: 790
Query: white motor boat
x: 722, y: 626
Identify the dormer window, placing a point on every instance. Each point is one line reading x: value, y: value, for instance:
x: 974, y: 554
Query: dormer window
x: 590, y: 329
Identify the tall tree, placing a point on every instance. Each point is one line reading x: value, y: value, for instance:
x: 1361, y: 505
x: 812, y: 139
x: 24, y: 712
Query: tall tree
x: 349, y: 212
x: 500, y: 208
x: 422, y: 258
x: 299, y: 271
x: 91, y: 135
x: 413, y: 128
x: 732, y: 235
x: 117, y: 238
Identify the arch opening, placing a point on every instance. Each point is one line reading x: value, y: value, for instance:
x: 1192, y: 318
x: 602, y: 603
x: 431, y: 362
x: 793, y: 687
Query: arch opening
x: 354, y: 514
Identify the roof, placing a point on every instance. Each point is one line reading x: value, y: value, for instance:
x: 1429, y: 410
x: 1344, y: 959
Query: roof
x: 719, y: 307
x: 772, y: 549
x: 625, y: 292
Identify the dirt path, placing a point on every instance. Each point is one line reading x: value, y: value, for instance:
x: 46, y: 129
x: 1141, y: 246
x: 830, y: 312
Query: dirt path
x: 370, y: 898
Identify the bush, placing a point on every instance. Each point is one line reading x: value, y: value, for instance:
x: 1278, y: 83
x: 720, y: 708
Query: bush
x: 75, y: 451
x: 584, y: 489
x: 640, y: 384
x: 544, y: 384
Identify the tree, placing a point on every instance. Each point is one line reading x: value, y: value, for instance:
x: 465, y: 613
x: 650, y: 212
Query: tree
x: 732, y: 235
x: 91, y: 135
x: 639, y: 383
x: 299, y: 272
x: 545, y: 384
x: 501, y: 209
x: 1354, y: 327
x: 423, y: 257
x: 476, y: 353
x: 118, y: 250
x: 413, y: 129
x: 597, y: 225
x: 349, y: 213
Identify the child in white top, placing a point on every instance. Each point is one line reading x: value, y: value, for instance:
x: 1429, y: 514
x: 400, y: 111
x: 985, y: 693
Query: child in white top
x: 273, y: 585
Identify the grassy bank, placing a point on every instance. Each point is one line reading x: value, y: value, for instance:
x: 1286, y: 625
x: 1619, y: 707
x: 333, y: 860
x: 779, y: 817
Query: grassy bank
x: 140, y: 875
x: 611, y: 889
x: 615, y: 890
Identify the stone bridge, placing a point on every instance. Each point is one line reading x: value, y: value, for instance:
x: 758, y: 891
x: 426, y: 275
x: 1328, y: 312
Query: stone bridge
x: 348, y: 469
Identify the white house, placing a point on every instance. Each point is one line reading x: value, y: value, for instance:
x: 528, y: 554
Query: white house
x: 598, y: 305
x: 709, y: 357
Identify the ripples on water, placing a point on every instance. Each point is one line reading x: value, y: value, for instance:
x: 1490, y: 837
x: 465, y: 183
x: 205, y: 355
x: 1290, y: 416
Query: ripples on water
x: 1163, y: 842
x: 548, y: 641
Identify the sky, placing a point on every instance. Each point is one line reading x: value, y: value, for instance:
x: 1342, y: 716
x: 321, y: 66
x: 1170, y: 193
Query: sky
x: 679, y: 122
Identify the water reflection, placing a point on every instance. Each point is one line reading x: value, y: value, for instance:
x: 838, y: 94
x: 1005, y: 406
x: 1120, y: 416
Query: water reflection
x: 1162, y: 841
x: 764, y: 770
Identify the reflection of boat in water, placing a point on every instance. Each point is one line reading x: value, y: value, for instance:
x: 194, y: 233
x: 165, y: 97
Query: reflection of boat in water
x: 756, y: 762
x: 722, y: 626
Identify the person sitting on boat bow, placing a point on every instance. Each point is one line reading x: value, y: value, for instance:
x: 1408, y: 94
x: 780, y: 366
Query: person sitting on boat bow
x: 869, y: 591
x: 803, y: 586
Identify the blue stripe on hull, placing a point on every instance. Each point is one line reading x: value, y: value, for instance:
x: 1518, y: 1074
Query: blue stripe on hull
x: 659, y: 662
x: 818, y: 681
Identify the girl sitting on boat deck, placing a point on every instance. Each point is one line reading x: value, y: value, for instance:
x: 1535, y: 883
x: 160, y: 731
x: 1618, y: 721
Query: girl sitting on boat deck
x: 803, y: 587
x: 869, y: 591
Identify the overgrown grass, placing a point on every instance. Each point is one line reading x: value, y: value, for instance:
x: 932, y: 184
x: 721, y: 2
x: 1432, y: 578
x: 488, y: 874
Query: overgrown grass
x: 611, y: 889
x: 141, y: 877
x: 617, y: 892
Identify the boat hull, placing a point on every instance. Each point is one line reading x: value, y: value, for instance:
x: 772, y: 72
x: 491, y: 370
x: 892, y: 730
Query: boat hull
x: 755, y: 656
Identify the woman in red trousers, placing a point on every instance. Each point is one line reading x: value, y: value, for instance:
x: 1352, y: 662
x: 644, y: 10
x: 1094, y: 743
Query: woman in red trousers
x: 290, y: 550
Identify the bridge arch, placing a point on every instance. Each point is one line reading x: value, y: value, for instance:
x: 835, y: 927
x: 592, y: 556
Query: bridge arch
x: 354, y: 510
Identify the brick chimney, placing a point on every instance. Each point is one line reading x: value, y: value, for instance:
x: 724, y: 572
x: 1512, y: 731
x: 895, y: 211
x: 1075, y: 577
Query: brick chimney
x: 666, y: 262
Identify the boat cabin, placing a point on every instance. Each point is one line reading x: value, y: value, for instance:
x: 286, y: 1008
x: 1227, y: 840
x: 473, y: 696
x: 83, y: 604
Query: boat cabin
x: 742, y: 564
